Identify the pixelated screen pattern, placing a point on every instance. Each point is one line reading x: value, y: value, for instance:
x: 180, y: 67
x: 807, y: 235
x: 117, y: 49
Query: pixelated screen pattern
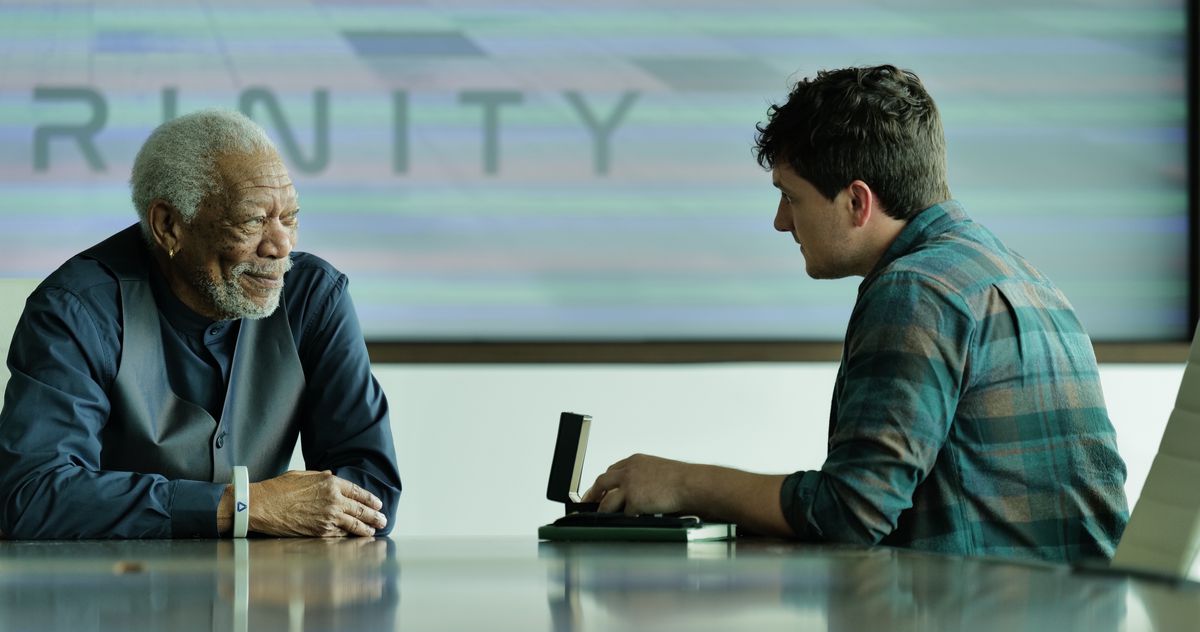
x: 584, y: 170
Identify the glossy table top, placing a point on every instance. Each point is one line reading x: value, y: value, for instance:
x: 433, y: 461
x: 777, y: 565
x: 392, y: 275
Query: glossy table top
x: 521, y: 584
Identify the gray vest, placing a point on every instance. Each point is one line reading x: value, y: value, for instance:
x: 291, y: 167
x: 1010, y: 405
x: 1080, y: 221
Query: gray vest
x: 152, y: 430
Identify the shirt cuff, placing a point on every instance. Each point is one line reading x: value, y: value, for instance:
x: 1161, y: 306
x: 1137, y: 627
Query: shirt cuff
x: 796, y: 497
x: 194, y: 508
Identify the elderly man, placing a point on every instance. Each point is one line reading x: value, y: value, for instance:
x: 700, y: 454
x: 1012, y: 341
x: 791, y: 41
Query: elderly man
x: 189, y: 352
x: 967, y: 413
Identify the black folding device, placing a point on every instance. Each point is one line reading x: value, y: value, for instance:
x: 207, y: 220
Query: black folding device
x: 567, y: 467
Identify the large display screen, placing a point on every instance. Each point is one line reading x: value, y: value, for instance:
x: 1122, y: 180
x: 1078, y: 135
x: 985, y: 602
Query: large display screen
x: 584, y: 170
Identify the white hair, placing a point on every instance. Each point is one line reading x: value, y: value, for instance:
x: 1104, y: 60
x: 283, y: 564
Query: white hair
x: 178, y: 162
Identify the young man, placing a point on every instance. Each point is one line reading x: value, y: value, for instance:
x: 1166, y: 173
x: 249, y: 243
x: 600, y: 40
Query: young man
x: 967, y: 413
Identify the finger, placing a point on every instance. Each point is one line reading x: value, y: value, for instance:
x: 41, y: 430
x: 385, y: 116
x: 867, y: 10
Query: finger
x: 630, y: 506
x: 354, y: 492
x: 593, y: 494
x: 366, y: 515
x: 354, y: 526
x: 610, y: 479
x: 606, y: 481
x: 613, y: 501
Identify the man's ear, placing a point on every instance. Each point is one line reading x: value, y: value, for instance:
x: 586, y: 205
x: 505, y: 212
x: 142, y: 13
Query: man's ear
x: 862, y: 202
x: 166, y: 226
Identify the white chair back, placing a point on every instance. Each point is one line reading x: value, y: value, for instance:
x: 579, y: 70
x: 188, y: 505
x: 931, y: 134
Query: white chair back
x: 1163, y: 535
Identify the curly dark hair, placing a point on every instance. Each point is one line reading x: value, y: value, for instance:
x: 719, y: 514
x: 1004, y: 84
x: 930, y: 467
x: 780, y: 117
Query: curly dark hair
x: 875, y: 124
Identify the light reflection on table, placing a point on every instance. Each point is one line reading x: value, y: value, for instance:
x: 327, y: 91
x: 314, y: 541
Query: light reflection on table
x: 198, y: 585
x: 520, y: 584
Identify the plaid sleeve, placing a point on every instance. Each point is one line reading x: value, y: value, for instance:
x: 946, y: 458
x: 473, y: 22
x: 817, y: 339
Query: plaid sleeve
x: 906, y: 351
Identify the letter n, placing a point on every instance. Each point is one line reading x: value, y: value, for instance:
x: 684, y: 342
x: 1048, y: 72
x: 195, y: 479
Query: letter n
x: 287, y: 139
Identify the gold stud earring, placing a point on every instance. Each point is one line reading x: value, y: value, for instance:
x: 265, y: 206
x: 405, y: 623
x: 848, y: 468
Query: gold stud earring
x: 171, y: 253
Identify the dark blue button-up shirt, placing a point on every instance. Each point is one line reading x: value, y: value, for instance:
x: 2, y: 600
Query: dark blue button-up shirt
x: 64, y: 358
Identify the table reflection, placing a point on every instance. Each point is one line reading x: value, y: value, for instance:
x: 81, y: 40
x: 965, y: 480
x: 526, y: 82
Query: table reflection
x: 495, y: 584
x: 835, y: 589
x: 218, y: 585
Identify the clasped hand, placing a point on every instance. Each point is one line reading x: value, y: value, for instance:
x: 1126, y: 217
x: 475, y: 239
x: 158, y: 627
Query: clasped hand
x: 313, y: 504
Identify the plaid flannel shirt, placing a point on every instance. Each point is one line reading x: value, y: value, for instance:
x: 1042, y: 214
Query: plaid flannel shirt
x: 967, y: 414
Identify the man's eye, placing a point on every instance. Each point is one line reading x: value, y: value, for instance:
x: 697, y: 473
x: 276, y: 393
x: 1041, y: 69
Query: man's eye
x: 254, y: 221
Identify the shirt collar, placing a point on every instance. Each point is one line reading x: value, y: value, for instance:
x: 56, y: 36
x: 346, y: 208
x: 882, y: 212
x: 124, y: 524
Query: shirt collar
x: 927, y: 225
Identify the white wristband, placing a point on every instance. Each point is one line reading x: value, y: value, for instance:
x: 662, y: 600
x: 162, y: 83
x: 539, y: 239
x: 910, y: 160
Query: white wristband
x: 241, y: 501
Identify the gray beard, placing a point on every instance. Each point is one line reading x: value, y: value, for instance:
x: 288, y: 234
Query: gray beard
x: 229, y: 299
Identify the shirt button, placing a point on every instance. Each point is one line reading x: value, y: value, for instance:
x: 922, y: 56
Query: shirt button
x: 221, y: 440
x: 214, y: 331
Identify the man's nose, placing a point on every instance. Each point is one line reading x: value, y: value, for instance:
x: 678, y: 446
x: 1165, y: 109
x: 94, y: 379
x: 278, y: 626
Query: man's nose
x: 783, y: 220
x: 278, y: 240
